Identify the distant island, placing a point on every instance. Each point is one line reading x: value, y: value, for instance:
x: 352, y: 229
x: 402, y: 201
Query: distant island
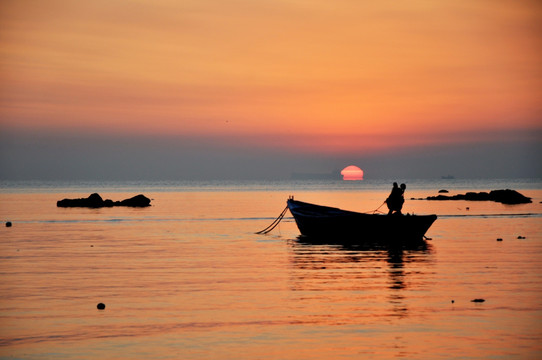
x: 96, y: 201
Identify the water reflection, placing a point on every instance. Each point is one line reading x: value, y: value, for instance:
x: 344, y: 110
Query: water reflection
x: 358, y: 275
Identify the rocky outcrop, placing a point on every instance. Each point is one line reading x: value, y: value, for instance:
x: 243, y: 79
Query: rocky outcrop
x: 96, y: 201
x: 136, y: 201
x: 510, y: 197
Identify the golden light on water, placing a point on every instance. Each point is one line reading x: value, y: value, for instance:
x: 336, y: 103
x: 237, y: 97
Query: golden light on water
x: 174, y: 285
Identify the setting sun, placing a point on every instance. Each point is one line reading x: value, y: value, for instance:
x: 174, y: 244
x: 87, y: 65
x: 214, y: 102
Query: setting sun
x: 352, y: 172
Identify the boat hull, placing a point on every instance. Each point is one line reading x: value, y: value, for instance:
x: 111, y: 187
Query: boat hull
x: 336, y: 225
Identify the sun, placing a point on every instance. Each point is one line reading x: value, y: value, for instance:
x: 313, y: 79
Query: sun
x: 352, y: 172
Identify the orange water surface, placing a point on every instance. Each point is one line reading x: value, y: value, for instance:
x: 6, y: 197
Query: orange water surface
x: 188, y: 278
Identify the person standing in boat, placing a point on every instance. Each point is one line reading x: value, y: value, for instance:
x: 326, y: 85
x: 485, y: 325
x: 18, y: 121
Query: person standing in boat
x: 396, y: 199
x: 401, y: 199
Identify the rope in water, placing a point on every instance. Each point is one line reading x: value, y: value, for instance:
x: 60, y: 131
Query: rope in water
x: 274, y: 223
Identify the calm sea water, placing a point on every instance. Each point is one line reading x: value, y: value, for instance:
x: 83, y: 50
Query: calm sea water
x: 188, y: 278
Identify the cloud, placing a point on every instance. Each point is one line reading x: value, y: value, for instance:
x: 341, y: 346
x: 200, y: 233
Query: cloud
x: 309, y: 67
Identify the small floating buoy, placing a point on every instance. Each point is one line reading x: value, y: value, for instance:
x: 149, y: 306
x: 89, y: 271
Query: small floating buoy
x: 8, y: 224
x: 477, y: 300
x: 101, y: 306
x: 453, y: 301
x: 499, y: 239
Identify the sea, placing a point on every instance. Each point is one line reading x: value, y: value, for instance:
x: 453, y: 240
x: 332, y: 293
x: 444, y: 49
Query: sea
x: 189, y: 278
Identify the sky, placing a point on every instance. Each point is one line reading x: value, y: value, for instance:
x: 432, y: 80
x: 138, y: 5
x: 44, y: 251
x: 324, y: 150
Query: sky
x: 228, y: 89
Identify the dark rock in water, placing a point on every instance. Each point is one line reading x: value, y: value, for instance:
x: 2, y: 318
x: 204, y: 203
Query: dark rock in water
x: 478, y: 300
x: 480, y: 196
x: 443, y: 191
x: 509, y: 197
x: 101, y: 306
x: 136, y: 201
x: 93, y: 201
x: 108, y: 203
x: 96, y: 201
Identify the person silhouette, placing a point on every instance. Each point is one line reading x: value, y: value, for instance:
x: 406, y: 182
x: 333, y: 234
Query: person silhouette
x: 392, y: 198
x: 401, y: 199
x: 395, y: 200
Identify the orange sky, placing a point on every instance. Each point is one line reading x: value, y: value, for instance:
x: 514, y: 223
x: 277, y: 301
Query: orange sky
x: 333, y: 75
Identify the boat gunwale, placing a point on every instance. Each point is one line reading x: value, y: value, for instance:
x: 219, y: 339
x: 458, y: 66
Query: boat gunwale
x: 303, y: 209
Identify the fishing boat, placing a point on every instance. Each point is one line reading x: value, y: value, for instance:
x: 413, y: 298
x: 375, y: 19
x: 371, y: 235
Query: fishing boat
x: 337, y: 225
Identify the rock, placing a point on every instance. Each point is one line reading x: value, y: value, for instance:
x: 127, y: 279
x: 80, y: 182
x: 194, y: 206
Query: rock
x: 521, y: 237
x: 96, y: 201
x: 101, y: 306
x: 499, y: 239
x: 509, y: 197
x: 108, y: 203
x: 136, y: 201
x: 478, y: 300
x: 480, y: 196
x: 441, y: 197
x: 8, y: 224
x: 93, y: 201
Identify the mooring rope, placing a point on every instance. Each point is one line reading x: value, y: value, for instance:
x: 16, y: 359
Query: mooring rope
x: 274, y: 223
x: 281, y: 216
x: 379, y: 207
